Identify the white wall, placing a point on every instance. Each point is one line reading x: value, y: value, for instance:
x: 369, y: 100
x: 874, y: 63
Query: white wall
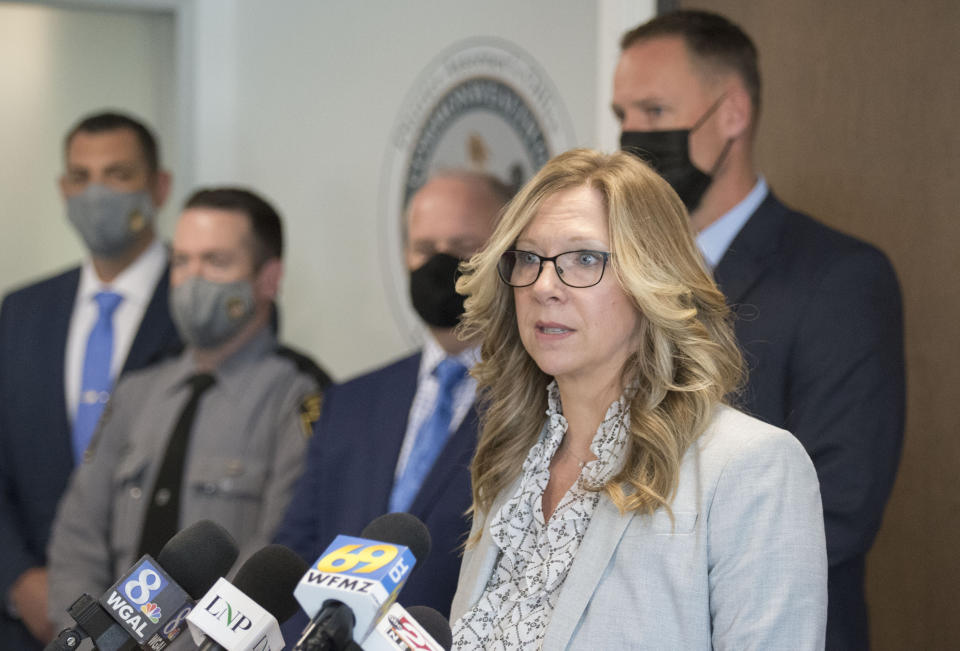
x: 296, y: 99
x: 318, y: 89
x: 57, y: 65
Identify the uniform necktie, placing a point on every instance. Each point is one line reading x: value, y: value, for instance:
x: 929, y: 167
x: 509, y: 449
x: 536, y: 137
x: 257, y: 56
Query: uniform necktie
x: 431, y: 438
x: 95, y: 384
x: 163, y: 511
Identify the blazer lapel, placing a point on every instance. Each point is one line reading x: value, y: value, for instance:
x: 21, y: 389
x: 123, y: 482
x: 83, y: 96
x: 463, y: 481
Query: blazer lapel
x: 51, y: 358
x: 388, y: 425
x: 478, y: 561
x: 454, y: 459
x: 752, y: 251
x: 601, y: 540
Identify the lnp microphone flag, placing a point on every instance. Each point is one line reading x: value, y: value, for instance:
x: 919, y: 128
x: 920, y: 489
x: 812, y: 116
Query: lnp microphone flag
x: 245, y: 615
x: 233, y: 620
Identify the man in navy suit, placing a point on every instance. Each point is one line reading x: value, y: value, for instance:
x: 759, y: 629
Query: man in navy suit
x: 818, y: 313
x: 367, y: 456
x: 61, y: 350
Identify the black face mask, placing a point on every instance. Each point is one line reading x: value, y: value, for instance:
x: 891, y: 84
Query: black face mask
x: 668, y: 152
x: 432, y: 290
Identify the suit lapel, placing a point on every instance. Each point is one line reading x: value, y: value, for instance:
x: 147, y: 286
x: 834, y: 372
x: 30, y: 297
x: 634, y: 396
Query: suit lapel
x: 156, y: 333
x: 453, y: 460
x: 51, y: 357
x: 752, y: 251
x: 603, y: 536
x: 389, y: 424
x: 478, y: 562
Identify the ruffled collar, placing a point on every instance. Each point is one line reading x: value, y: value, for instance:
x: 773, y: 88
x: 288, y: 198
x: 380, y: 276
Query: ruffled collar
x: 524, y: 510
x: 607, y: 445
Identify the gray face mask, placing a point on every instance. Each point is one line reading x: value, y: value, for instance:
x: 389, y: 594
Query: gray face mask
x: 109, y: 221
x: 208, y: 314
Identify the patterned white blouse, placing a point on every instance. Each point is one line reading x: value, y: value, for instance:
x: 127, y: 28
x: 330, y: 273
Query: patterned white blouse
x: 535, y: 556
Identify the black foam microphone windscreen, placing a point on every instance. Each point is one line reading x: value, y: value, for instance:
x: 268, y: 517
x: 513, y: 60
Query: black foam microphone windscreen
x: 401, y: 529
x: 199, y: 555
x: 435, y: 624
x: 269, y: 577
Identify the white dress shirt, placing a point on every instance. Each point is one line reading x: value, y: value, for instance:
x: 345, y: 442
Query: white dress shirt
x: 136, y: 284
x: 426, y: 395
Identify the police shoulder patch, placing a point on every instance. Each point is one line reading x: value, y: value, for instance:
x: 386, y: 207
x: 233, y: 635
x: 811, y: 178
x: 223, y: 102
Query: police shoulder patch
x: 310, y: 411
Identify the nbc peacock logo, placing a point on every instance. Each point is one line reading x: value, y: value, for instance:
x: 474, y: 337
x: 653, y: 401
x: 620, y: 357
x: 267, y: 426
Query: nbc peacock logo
x: 152, y: 611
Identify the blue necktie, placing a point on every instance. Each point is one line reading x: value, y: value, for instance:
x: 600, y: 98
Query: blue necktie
x: 95, y: 385
x: 431, y: 438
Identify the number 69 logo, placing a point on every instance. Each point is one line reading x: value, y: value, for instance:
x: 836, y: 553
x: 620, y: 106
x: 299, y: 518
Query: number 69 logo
x: 347, y: 557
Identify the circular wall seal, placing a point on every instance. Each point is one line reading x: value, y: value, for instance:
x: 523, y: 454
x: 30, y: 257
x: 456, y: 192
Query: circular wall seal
x: 481, y: 105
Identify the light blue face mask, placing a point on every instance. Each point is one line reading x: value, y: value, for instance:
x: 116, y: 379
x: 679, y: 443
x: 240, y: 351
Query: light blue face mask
x: 207, y: 314
x: 109, y: 221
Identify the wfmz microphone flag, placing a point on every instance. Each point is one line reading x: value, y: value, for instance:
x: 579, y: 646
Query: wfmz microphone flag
x: 365, y: 575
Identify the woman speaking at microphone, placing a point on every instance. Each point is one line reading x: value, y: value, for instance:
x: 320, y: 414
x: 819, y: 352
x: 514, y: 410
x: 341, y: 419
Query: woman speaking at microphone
x: 618, y: 503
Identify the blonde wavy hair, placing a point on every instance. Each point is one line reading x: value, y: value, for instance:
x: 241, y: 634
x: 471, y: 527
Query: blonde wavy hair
x: 686, y: 361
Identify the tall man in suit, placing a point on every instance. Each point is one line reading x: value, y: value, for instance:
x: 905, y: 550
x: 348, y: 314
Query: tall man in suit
x: 401, y: 438
x: 65, y: 339
x: 818, y: 312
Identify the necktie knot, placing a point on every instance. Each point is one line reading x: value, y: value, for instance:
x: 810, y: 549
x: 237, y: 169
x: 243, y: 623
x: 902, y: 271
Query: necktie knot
x: 107, y: 302
x: 201, y: 382
x: 449, y: 372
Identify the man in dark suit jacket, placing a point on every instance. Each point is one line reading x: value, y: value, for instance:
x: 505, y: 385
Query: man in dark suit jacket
x: 367, y: 435
x: 818, y: 313
x: 113, y: 186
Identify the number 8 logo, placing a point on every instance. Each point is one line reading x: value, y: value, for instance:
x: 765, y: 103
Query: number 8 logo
x: 144, y: 584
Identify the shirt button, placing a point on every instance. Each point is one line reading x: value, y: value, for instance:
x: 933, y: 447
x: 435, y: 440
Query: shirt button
x: 162, y: 497
x: 135, y: 492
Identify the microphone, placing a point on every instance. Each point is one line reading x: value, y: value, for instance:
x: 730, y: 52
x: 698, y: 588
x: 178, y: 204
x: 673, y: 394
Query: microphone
x: 355, y: 581
x: 146, y: 607
x: 93, y: 622
x: 435, y: 624
x: 245, y: 615
x: 414, y: 629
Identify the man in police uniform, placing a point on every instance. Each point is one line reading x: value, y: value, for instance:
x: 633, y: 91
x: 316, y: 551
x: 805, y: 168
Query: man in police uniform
x: 216, y: 433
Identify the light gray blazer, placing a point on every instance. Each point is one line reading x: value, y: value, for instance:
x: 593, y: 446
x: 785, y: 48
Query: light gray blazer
x: 744, y: 566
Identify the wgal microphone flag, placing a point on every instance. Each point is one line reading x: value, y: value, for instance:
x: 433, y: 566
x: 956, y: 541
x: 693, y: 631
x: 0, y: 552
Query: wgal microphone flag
x: 142, y: 599
x: 365, y: 575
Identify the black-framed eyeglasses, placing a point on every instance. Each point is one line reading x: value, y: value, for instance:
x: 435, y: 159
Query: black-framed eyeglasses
x: 574, y: 268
